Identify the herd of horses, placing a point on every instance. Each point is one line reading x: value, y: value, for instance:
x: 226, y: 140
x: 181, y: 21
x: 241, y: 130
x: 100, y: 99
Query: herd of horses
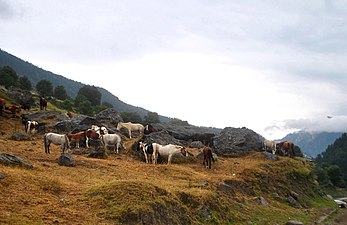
x: 151, y: 151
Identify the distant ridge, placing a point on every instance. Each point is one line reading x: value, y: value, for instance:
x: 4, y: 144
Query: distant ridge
x: 35, y: 74
x: 312, y: 143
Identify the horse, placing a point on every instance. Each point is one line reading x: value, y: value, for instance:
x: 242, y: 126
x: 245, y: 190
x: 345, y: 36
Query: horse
x: 208, y: 157
x: 167, y: 150
x: 287, y: 147
x: 149, y: 129
x: 30, y: 126
x: 270, y: 146
x: 91, y: 134
x: 14, y: 109
x: 57, y: 139
x: 76, y: 137
x: 101, y: 130
x: 131, y: 127
x: 111, y: 139
x: 43, y: 103
x: 147, y: 151
x: 2, y: 105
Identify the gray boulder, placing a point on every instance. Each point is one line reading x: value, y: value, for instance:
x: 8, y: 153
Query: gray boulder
x: 236, y: 140
x: 20, y: 136
x: 66, y: 160
x: 12, y: 160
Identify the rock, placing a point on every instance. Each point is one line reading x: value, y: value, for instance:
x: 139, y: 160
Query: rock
x: 66, y: 160
x: 270, y: 156
x: 294, y: 203
x: 12, y: 160
x: 20, y: 136
x: 294, y: 222
x: 2, y: 176
x: 205, y: 212
x: 261, y: 200
x: 236, y: 140
x: 196, y: 144
x: 188, y: 133
x: 22, y: 97
x: 108, y: 118
x: 226, y: 189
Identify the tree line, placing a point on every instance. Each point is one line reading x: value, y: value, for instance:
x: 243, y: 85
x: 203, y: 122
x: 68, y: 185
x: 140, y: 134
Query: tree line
x: 87, y: 101
x: 331, y: 166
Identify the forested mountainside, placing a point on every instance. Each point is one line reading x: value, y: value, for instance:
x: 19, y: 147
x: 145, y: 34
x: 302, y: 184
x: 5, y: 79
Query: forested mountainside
x: 35, y: 74
x: 336, y: 154
x: 312, y: 144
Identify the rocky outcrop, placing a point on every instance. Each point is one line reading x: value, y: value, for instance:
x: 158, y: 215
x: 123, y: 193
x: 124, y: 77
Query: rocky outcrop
x: 188, y: 133
x: 12, y: 160
x: 108, y: 118
x: 236, y: 140
x: 22, y: 97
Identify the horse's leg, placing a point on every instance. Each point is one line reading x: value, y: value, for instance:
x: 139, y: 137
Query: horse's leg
x: 146, y: 157
x: 129, y: 133
x: 169, y: 159
x: 87, y: 139
x: 78, y: 144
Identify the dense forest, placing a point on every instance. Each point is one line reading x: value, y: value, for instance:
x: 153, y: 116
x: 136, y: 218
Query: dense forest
x: 332, y: 163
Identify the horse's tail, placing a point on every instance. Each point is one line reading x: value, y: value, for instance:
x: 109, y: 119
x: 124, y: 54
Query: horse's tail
x: 210, y: 155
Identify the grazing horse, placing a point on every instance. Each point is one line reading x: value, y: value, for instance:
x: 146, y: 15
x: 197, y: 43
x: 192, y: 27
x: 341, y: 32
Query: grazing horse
x: 111, y: 139
x: 147, y: 151
x: 287, y: 147
x: 30, y: 126
x: 91, y: 134
x: 167, y: 151
x: 131, y: 127
x: 43, y: 103
x: 270, y: 146
x: 76, y: 138
x: 208, y: 157
x: 57, y: 139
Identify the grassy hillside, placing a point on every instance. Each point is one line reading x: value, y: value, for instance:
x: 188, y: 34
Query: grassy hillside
x: 124, y: 190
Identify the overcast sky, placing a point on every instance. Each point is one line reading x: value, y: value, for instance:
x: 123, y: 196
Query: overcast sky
x: 274, y: 66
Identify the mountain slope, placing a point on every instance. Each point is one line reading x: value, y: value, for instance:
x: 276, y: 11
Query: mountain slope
x: 312, y: 144
x: 35, y: 74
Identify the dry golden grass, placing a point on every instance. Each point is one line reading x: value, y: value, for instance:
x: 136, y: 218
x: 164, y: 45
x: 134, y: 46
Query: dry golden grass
x: 122, y: 189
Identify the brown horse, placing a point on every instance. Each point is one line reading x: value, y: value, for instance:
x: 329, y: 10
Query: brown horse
x: 43, y: 103
x: 287, y: 147
x: 77, y: 137
x: 208, y: 157
x: 91, y: 134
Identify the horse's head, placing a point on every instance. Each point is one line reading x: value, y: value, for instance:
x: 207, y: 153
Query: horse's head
x: 184, y: 151
x: 140, y: 146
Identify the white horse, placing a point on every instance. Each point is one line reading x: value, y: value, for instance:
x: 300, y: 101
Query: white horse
x: 131, y: 127
x: 111, y: 139
x: 57, y: 139
x: 167, y: 151
x: 270, y: 146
